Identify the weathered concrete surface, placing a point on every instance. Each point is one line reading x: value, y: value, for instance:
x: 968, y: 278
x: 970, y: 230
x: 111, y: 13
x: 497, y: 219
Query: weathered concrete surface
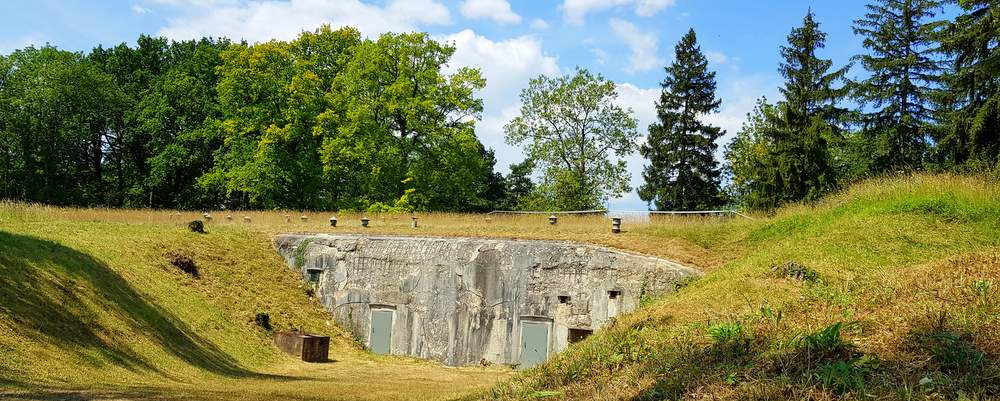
x: 463, y: 300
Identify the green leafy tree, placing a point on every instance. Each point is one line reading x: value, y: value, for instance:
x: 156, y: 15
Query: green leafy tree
x: 134, y: 70
x: 399, y: 126
x: 271, y: 97
x: 749, y: 158
x: 54, y: 126
x: 571, y: 127
x: 177, y: 113
x: 798, y: 163
x: 683, y: 173
x: 520, y: 187
x: 904, y: 73
x: 971, y: 104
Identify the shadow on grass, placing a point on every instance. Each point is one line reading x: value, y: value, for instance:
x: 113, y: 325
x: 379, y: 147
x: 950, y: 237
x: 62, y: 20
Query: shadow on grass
x: 53, y: 295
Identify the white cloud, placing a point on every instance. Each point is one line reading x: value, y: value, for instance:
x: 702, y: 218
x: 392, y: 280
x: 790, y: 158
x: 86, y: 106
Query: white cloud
x: 642, y: 45
x: 497, y: 10
x: 262, y: 20
x: 539, y: 23
x: 139, y: 9
x: 576, y: 10
x: 716, y: 57
x: 600, y: 56
x: 507, y: 66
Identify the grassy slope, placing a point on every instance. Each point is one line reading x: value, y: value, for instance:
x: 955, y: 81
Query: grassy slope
x: 910, y: 265
x: 94, y: 306
x: 88, y: 301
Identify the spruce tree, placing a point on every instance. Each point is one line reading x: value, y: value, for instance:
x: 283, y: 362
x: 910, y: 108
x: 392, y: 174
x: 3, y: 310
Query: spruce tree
x: 899, y: 37
x: 683, y: 173
x: 796, y: 162
x: 971, y: 106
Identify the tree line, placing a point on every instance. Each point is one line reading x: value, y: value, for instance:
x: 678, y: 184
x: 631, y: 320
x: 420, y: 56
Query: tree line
x: 326, y: 121
x: 331, y: 120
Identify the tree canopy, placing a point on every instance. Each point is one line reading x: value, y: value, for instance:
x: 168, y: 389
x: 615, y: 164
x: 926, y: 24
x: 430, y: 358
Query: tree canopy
x: 571, y: 126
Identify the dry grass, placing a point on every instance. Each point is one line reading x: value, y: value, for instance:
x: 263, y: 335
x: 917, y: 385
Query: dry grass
x: 651, y: 237
x: 91, y: 308
x: 889, y: 255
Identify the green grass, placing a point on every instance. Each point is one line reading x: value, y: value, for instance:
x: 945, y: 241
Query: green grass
x: 887, y: 290
x: 875, y: 267
x: 94, y: 307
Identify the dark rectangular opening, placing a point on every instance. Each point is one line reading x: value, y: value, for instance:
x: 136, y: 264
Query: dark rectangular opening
x: 614, y: 294
x: 564, y: 299
x: 314, y: 275
x: 577, y: 335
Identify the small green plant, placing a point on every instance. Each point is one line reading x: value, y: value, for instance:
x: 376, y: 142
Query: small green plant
x: 826, y: 344
x: 731, y: 342
x: 726, y: 332
x: 955, y: 353
x: 300, y: 253
x: 981, y: 288
x: 843, y: 376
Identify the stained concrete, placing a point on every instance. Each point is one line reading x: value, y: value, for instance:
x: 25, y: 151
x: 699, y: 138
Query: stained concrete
x: 462, y: 301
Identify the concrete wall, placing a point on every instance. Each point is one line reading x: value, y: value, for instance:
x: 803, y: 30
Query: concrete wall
x: 462, y: 300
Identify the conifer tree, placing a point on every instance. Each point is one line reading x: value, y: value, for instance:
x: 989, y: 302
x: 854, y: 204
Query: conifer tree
x: 971, y: 107
x: 683, y: 173
x: 899, y: 37
x: 793, y: 161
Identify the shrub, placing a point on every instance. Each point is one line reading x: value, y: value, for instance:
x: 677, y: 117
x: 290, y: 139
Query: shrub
x: 184, y: 263
x: 197, y: 226
x: 263, y: 320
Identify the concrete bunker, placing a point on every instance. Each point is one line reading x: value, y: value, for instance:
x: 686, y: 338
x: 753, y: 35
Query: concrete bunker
x: 466, y: 301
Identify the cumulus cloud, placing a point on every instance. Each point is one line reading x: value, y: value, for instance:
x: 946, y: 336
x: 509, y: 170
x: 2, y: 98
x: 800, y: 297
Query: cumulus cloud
x: 539, y: 23
x: 643, y: 46
x: 507, y: 65
x: 497, y: 10
x: 716, y: 57
x: 575, y: 11
x: 262, y: 20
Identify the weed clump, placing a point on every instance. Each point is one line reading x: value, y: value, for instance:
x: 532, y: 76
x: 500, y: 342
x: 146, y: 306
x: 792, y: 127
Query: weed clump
x: 197, y: 226
x: 184, y: 263
x: 263, y: 320
x: 796, y: 271
x: 949, y: 348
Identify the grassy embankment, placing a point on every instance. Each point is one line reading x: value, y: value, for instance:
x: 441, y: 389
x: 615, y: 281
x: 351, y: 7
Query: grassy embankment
x: 91, y: 307
x: 908, y: 266
x: 889, y: 290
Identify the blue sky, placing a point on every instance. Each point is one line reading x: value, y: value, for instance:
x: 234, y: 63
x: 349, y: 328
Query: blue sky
x: 628, y: 41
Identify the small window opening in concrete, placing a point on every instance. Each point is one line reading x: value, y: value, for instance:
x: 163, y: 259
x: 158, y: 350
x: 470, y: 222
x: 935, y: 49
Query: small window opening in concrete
x: 564, y: 299
x: 313, y: 275
x: 577, y: 335
x: 614, y: 294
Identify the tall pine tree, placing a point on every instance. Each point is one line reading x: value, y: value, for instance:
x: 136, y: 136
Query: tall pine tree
x: 899, y: 36
x: 791, y: 158
x: 683, y: 173
x: 972, y: 102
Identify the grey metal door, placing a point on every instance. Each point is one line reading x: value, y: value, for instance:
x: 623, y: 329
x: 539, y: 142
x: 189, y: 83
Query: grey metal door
x: 381, y: 331
x: 534, y: 343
